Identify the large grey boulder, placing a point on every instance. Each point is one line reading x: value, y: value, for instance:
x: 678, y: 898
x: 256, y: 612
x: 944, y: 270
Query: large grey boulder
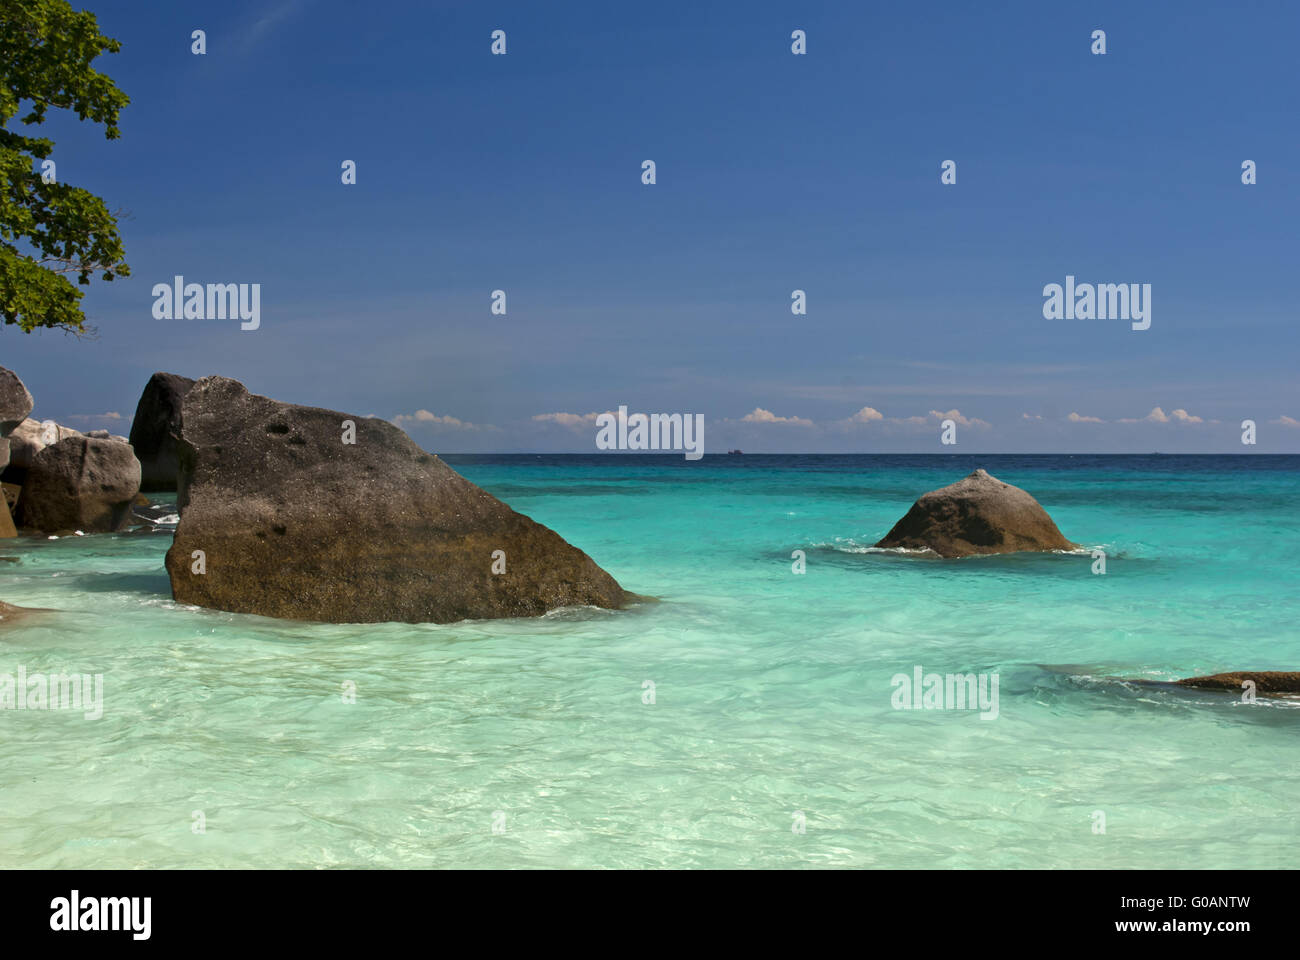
x: 978, y: 514
x: 80, y: 483
x: 15, y: 401
x: 280, y: 517
x: 154, y: 428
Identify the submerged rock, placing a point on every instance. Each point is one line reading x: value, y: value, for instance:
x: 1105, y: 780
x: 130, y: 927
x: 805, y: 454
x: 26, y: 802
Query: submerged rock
x: 11, y: 615
x: 280, y: 516
x: 1266, y: 681
x: 80, y: 483
x: 154, y: 429
x: 978, y: 514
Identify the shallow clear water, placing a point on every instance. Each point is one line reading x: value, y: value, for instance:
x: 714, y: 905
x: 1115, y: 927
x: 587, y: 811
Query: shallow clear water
x: 772, y: 690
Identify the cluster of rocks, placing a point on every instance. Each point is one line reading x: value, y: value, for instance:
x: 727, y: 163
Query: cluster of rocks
x: 293, y: 511
x: 58, y: 480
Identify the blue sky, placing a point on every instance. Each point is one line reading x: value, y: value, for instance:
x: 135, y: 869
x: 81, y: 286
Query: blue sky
x: 775, y: 172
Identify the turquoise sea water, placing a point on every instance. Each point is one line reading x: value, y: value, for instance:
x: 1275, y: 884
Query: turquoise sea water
x: 772, y: 691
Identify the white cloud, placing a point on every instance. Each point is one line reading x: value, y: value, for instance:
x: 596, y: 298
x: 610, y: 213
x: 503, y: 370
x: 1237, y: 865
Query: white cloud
x: 426, y: 418
x: 1079, y: 418
x: 956, y: 416
x: 866, y: 415
x: 1157, y: 415
x: 759, y: 415
x: 1287, y: 421
x: 872, y: 415
x: 572, y: 420
x: 96, y: 417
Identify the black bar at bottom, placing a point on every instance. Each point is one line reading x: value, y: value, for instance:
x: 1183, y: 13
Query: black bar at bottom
x: 335, y: 909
